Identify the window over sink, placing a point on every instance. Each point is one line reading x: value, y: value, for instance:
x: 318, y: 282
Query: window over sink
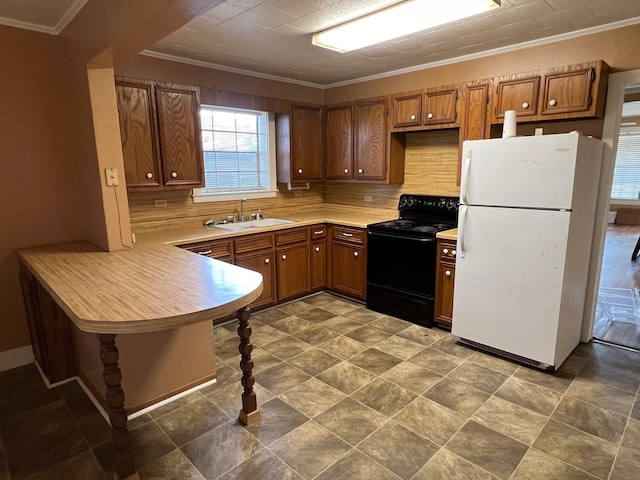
x: 239, y: 154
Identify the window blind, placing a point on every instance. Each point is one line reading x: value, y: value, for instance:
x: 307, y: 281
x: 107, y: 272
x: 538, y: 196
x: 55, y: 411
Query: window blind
x: 626, y: 176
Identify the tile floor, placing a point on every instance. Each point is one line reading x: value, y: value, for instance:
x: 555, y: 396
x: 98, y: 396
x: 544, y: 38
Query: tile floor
x: 347, y: 393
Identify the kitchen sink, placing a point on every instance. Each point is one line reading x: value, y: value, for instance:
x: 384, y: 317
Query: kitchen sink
x: 265, y: 222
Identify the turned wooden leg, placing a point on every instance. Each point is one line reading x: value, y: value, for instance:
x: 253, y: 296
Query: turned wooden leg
x: 109, y: 355
x: 249, y: 413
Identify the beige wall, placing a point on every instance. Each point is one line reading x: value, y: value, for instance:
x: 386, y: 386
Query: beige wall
x: 50, y: 183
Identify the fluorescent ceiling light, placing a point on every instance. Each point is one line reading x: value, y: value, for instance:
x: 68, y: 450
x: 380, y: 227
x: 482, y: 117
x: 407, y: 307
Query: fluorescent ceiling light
x: 397, y: 21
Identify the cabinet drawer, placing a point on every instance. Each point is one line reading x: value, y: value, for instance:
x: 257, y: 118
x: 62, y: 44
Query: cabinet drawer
x: 216, y: 249
x: 351, y: 235
x: 252, y: 243
x: 447, y: 251
x: 292, y: 236
x: 317, y: 232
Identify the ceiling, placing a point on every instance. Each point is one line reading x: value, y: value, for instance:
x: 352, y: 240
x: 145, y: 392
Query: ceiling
x: 272, y: 38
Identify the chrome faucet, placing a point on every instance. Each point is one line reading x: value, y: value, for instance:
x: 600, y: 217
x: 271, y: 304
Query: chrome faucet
x: 242, y: 209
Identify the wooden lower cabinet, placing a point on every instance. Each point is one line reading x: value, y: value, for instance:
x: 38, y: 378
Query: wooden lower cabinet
x: 318, y: 264
x: 51, y: 331
x: 348, y: 265
x: 293, y: 271
x: 218, y: 249
x: 445, y: 280
x: 262, y: 263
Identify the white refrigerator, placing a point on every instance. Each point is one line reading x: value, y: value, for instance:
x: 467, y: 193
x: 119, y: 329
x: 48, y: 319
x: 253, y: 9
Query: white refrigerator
x: 527, y: 207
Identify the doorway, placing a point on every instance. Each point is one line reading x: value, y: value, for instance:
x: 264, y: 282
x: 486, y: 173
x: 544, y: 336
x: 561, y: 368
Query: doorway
x: 613, y: 314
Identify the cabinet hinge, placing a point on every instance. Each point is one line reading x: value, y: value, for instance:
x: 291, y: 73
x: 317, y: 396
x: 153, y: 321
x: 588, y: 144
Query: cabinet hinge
x: 590, y: 100
x: 593, y: 74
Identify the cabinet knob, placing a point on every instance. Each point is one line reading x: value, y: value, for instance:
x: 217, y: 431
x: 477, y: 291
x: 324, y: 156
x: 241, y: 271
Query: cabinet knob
x: 447, y: 273
x: 445, y: 251
x: 360, y: 171
x: 525, y: 105
x: 355, y: 254
x: 284, y: 257
x: 266, y: 260
x: 453, y: 253
x: 346, y: 171
x: 317, y: 249
x: 430, y: 115
x: 299, y: 170
x: 552, y: 103
x: 149, y: 175
x: 412, y: 117
x: 174, y: 174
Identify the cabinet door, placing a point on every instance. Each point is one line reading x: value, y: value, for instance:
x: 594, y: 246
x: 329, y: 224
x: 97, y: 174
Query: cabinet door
x: 306, y: 142
x: 138, y: 134
x: 318, y: 264
x: 262, y: 263
x: 339, y: 143
x: 440, y: 106
x: 349, y: 270
x: 180, y: 136
x: 520, y: 94
x: 445, y: 279
x: 407, y: 110
x: 567, y: 92
x: 474, y: 121
x: 370, y: 139
x: 38, y: 344
x: 293, y: 271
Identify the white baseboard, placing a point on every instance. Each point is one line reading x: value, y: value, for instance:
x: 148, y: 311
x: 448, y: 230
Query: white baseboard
x: 15, y: 358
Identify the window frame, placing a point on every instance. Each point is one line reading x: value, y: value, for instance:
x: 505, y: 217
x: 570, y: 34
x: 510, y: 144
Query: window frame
x: 269, y: 189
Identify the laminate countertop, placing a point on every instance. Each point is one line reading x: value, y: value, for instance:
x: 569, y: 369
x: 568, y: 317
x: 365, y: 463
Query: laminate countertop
x: 448, y: 234
x: 350, y: 217
x: 144, y: 289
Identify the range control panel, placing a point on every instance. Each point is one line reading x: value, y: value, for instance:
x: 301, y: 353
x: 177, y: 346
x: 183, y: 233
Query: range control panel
x: 428, y: 203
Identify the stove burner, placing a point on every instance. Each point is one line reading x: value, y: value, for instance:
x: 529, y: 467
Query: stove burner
x: 426, y: 228
x: 403, y: 223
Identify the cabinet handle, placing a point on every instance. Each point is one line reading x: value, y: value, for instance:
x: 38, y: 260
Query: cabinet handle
x: 412, y: 117
x: 453, y: 253
x: 317, y: 249
x: 266, y: 260
x: 525, y: 105
x: 344, y: 234
x: 430, y: 115
x: 355, y: 254
x: 360, y: 171
x: 149, y: 175
x: 284, y: 257
x: 174, y: 175
x: 447, y: 273
x: 445, y: 251
x: 206, y: 252
x: 299, y: 170
x: 346, y: 171
x: 318, y: 232
x: 552, y: 103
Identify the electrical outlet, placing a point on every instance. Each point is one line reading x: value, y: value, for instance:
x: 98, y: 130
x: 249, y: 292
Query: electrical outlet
x: 112, y: 177
x: 298, y: 194
x: 160, y: 203
x: 368, y: 198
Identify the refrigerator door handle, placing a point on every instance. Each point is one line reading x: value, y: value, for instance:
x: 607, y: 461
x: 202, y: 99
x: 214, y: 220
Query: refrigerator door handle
x: 465, y: 177
x: 461, y: 221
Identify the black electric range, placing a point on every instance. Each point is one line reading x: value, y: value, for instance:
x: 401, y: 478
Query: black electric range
x: 401, y: 257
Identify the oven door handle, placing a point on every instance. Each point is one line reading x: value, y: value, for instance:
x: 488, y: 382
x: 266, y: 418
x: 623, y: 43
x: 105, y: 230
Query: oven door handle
x: 402, y: 237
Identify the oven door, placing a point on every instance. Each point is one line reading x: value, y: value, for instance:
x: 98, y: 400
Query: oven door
x: 402, y: 263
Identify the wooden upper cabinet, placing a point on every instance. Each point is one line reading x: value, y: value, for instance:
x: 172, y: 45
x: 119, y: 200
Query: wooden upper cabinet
x: 407, y: 110
x: 474, y: 117
x: 339, y: 143
x: 571, y: 91
x: 136, y: 110
x: 440, y: 106
x: 300, y: 144
x: 566, y: 92
x: 160, y: 134
x: 180, y: 136
x: 370, y: 139
x: 519, y: 94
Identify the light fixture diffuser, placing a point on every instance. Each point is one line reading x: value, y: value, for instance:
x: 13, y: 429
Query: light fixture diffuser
x: 397, y: 21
